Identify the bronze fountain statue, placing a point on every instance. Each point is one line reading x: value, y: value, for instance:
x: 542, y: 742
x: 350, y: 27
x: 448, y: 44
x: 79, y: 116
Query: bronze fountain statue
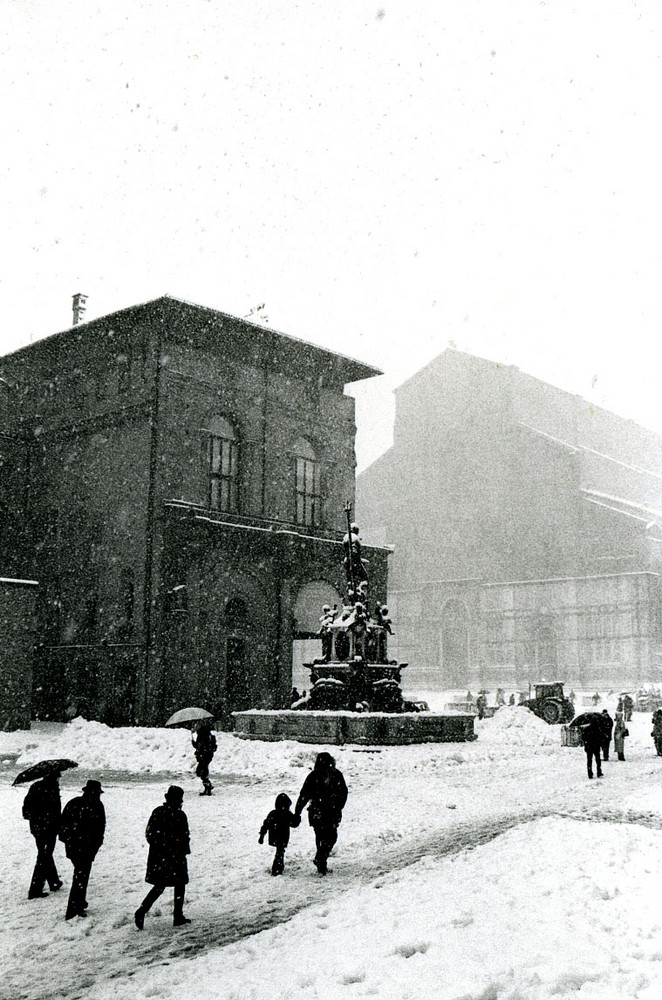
x: 354, y: 673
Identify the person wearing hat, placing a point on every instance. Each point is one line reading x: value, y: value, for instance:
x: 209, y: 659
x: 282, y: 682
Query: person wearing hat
x: 82, y: 830
x: 42, y: 809
x: 325, y: 792
x: 168, y: 837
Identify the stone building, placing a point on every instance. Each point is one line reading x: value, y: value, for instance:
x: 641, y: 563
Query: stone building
x: 527, y: 528
x: 179, y: 477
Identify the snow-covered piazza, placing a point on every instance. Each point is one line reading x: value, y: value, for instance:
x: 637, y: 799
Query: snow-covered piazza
x: 491, y: 870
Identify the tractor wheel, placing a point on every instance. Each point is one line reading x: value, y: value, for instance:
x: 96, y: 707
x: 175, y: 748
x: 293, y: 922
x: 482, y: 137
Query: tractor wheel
x: 551, y: 712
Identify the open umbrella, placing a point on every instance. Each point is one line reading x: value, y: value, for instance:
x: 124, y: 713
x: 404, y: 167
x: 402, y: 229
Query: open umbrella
x: 188, y: 715
x: 586, y: 718
x: 43, y: 769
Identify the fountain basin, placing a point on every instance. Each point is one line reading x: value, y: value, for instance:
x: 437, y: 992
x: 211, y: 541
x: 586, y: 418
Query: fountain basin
x: 338, y: 727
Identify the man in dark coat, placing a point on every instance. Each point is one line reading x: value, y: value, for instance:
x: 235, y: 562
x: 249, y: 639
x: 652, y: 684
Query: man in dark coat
x: 608, y: 728
x: 592, y: 738
x: 168, y: 838
x: 326, y: 791
x: 82, y: 830
x: 41, y: 807
x: 205, y: 748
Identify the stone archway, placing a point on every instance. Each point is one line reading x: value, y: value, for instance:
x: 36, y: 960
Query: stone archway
x: 454, y: 644
x: 306, y: 645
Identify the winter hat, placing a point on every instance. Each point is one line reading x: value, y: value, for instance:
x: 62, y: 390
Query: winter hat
x: 93, y: 787
x: 324, y: 759
x: 175, y: 794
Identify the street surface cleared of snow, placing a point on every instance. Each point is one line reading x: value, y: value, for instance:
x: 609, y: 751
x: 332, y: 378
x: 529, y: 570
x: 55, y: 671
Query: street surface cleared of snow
x: 491, y: 870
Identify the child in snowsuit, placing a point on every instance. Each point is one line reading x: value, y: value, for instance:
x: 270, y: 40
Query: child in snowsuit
x: 277, y: 825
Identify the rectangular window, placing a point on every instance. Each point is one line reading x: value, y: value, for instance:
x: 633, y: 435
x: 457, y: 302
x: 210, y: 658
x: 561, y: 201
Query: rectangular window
x: 308, y: 492
x: 222, y: 474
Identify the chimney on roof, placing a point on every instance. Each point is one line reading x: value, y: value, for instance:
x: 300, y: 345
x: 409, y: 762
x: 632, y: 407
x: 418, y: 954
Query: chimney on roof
x: 79, y: 305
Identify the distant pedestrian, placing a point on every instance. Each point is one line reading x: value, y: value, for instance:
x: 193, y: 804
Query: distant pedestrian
x: 628, y: 705
x: 596, y: 699
x: 481, y: 705
x: 82, y: 830
x: 511, y: 700
x: 500, y: 697
x: 205, y: 748
x: 167, y: 834
x: 277, y: 826
x: 325, y: 792
x: 656, y: 731
x: 42, y: 808
x: 608, y: 728
x: 620, y: 732
x: 592, y: 738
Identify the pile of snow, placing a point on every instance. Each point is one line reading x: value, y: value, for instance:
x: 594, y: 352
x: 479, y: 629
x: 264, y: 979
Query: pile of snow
x: 143, y: 750
x: 517, y: 725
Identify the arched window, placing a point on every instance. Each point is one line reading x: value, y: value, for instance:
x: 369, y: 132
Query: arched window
x: 222, y: 460
x: 308, y: 484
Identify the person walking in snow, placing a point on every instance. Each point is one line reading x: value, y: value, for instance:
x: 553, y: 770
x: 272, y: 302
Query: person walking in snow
x: 620, y: 732
x: 656, y: 731
x: 592, y: 738
x: 325, y: 792
x: 277, y: 825
x: 82, y: 830
x: 167, y: 834
x: 42, y: 809
x: 607, y: 731
x: 205, y: 748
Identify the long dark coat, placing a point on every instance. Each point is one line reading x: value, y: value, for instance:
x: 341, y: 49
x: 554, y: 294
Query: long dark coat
x: 42, y: 807
x: 168, y: 838
x: 326, y: 791
x: 82, y: 827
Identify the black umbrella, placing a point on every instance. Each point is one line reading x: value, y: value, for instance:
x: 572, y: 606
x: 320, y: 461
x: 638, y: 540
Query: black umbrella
x: 43, y: 769
x: 587, y: 718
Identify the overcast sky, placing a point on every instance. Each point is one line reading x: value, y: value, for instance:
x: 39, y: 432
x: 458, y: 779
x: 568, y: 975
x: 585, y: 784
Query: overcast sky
x: 386, y: 179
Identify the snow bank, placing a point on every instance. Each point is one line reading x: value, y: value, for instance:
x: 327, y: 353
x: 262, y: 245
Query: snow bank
x: 143, y: 750
x: 519, y: 726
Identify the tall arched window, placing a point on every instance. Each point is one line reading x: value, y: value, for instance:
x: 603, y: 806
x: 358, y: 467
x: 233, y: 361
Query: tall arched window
x: 308, y: 484
x: 222, y: 460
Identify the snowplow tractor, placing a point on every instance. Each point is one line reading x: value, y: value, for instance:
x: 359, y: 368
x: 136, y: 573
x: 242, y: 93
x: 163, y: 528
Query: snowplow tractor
x: 550, y: 704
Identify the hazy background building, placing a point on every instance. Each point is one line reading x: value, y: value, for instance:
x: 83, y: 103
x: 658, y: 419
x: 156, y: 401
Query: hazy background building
x: 527, y: 527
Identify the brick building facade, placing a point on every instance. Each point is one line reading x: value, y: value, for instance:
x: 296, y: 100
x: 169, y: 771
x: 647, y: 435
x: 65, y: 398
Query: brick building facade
x: 527, y: 527
x: 180, y: 476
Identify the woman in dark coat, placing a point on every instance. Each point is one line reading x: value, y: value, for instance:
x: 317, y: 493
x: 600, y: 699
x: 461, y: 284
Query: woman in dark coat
x: 168, y: 838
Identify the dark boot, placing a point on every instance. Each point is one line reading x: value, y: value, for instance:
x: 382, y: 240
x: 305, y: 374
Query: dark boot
x: 178, y: 916
x: 139, y: 918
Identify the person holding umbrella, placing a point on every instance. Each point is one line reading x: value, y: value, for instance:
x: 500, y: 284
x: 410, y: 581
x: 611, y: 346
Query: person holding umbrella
x: 42, y: 808
x: 82, y: 831
x: 205, y: 748
x: 167, y: 834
